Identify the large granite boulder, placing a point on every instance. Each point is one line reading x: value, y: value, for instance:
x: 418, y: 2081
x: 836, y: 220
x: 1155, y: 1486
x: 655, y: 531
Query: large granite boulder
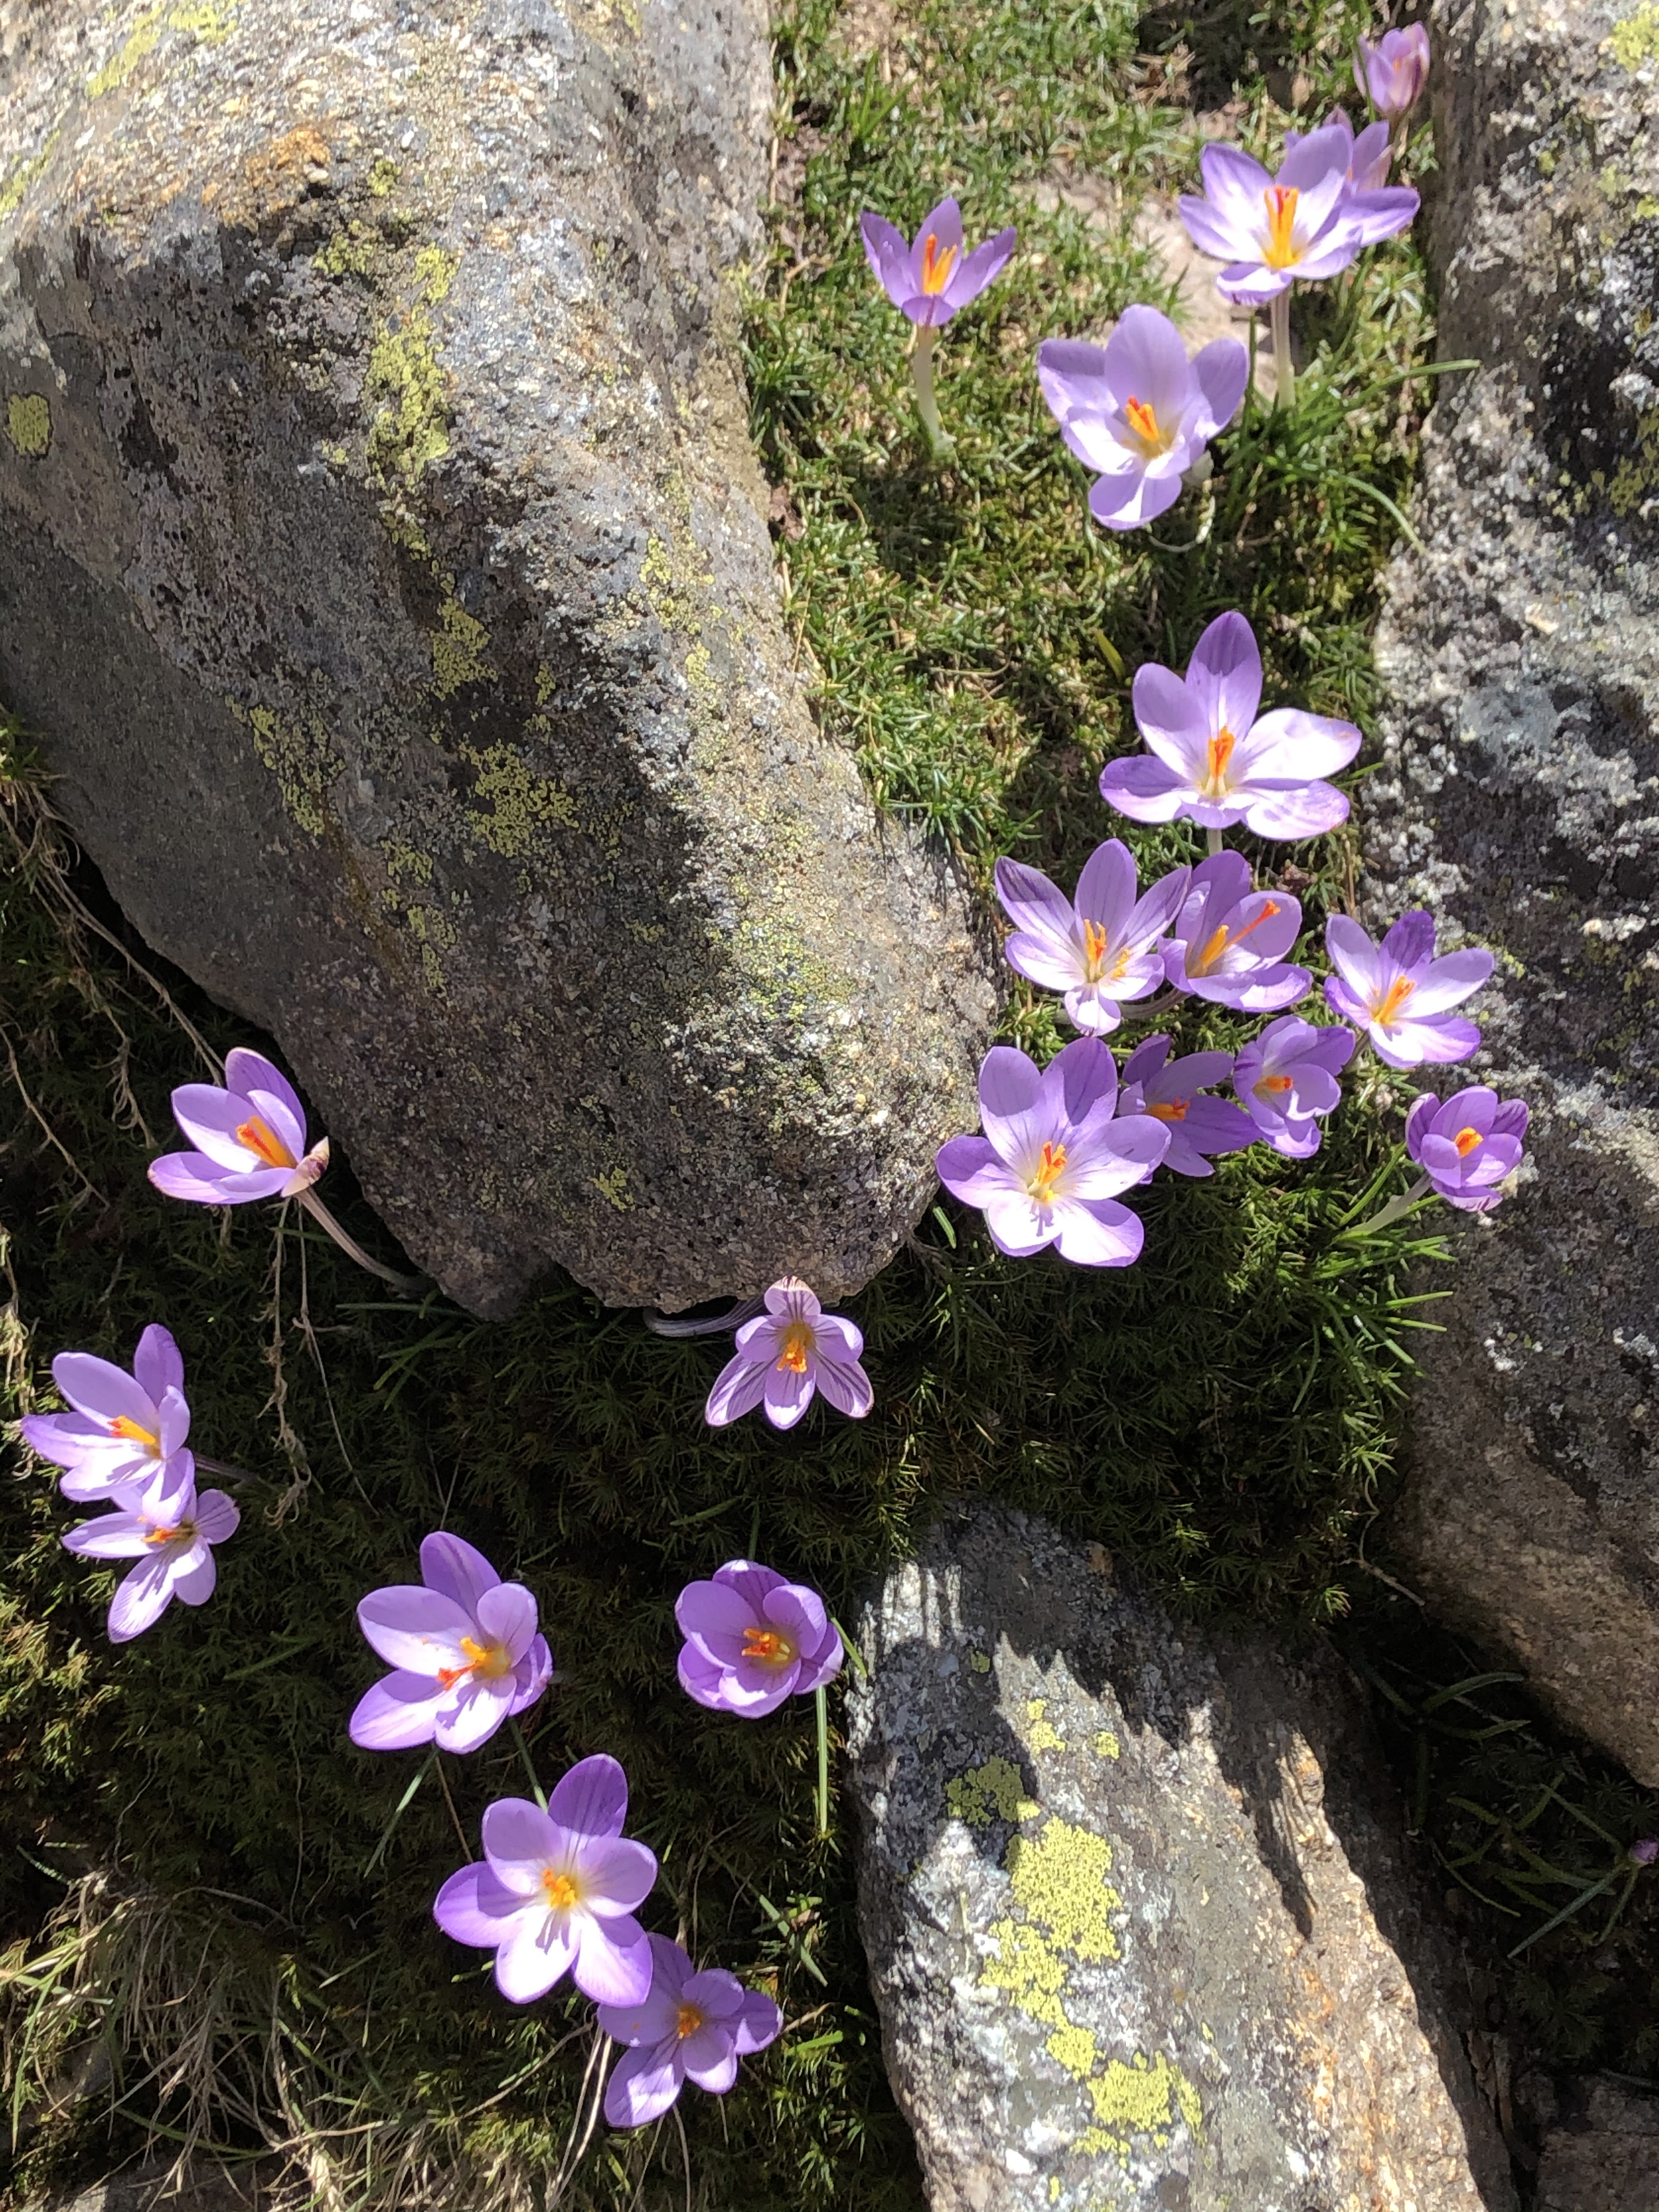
x: 1599, y: 2150
x: 1138, y: 1925
x: 382, y: 563
x: 1519, y: 798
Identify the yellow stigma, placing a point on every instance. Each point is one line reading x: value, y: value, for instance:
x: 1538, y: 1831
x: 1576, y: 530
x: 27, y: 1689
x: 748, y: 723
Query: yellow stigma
x: 1142, y: 419
x: 1280, y: 251
x: 1466, y: 1140
x: 1388, y: 1009
x: 797, y: 1343
x: 1223, y: 939
x: 561, y: 1890
x: 769, y: 1647
x: 1172, y: 1110
x: 1219, y: 752
x: 129, y: 1432
x: 257, y: 1133
x: 687, y: 2021
x: 1277, y: 1084
x: 161, y: 1534
x: 488, y: 1661
x: 1050, y: 1168
x: 935, y: 265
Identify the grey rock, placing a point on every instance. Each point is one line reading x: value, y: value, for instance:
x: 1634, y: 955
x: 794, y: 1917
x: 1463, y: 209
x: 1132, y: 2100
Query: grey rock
x: 1600, y: 2151
x: 382, y: 559
x: 1139, y: 1928
x: 159, y: 2185
x: 1519, y: 800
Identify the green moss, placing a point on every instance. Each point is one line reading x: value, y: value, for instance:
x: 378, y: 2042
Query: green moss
x: 29, y: 424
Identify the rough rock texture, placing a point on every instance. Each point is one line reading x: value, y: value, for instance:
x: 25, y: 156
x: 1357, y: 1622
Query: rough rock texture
x: 1600, y: 2151
x: 1520, y: 800
x: 156, y: 2185
x: 1138, y: 1926
x: 381, y: 559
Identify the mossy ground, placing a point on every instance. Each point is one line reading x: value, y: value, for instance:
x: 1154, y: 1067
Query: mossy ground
x: 1221, y: 1415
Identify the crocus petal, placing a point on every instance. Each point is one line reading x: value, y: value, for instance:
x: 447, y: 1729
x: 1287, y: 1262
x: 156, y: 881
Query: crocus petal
x: 709, y: 2060
x: 1442, y: 1040
x: 1106, y: 888
x: 535, y: 1953
x: 470, y: 1714
x: 613, y: 1960
x: 506, y: 1614
x: 472, y: 1907
x: 759, y: 2023
x: 396, y: 1713
x: 845, y: 1384
x: 456, y: 1570
x: 519, y: 1840
x: 981, y: 267
x: 738, y: 1388
x: 1450, y: 980
x: 416, y: 1628
x: 787, y: 1395
x: 195, y: 1575
x: 888, y: 252
x: 592, y: 1797
x: 617, y: 1875
x: 1222, y: 369
x: 1143, y: 788
x: 194, y: 1176
x: 158, y: 1365
x: 1224, y: 677
x: 1098, y: 1233
x: 1151, y: 495
x: 103, y: 1392
x: 1288, y: 745
x: 643, y: 2085
x: 1309, y: 811
x: 140, y: 1599
x: 119, y: 1535
x: 216, y: 1516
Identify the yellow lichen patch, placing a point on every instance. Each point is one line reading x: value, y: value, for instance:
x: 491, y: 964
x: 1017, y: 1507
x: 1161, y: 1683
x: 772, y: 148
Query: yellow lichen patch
x: 1107, y: 1745
x: 405, y: 381
x: 208, y: 26
x: 29, y: 424
x: 522, y: 804
x: 980, y: 1661
x: 1029, y: 1970
x: 1635, y: 39
x: 1040, y: 1733
x: 1058, y: 1880
x: 988, y: 1793
x: 458, y: 649
x: 612, y: 1186
x: 1139, y: 2098
x: 1075, y: 2049
x: 356, y: 250
x: 382, y: 177
x: 303, y: 756
x: 12, y: 192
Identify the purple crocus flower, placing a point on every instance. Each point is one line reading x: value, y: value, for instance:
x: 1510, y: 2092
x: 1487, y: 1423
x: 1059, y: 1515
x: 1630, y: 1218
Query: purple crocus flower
x: 1100, y: 947
x: 1169, y: 1090
x: 1138, y: 411
x: 555, y: 1892
x: 1307, y: 221
x: 171, y: 1531
x: 465, y: 1647
x: 930, y: 280
x: 1392, y: 73
x: 692, y: 2027
x: 1287, y: 1078
x: 1467, y: 1147
x: 124, y: 1427
x: 1369, y: 154
x: 1213, y: 760
x: 1230, y: 942
x: 1052, y: 1159
x: 251, y: 1138
x: 1397, y: 993
x: 753, y: 1639
x: 786, y: 1353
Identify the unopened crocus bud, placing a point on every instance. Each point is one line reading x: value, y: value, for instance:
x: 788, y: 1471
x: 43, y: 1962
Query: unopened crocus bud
x: 1392, y: 73
x: 1644, y: 1850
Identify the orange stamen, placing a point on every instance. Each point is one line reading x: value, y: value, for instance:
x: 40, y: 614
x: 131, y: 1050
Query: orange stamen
x: 129, y: 1431
x: 1224, y: 940
x: 1172, y: 1110
x: 1395, y: 997
x: 687, y: 2021
x: 1280, y: 251
x: 160, y: 1534
x: 561, y: 1891
x: 1276, y: 1084
x: 1143, y: 420
x: 935, y: 265
x: 257, y: 1133
x: 1094, y: 949
x: 767, y: 1644
x: 1050, y: 1168
x: 1219, y: 752
x: 489, y: 1660
x: 1466, y: 1140
x: 797, y: 1343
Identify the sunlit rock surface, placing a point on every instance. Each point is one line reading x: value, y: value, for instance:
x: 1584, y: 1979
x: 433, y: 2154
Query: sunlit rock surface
x: 1140, y: 1933
x: 1519, y: 798
x: 382, y: 565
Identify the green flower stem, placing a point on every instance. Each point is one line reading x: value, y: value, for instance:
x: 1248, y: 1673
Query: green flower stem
x: 1279, y: 317
x: 529, y: 1763
x: 1395, y: 1210
x: 823, y: 1703
x: 326, y: 1221
x: 921, y: 368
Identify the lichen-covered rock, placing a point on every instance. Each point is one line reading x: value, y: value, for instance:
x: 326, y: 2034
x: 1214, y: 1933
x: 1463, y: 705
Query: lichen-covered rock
x: 1140, y: 1934
x: 381, y: 561
x: 1519, y: 798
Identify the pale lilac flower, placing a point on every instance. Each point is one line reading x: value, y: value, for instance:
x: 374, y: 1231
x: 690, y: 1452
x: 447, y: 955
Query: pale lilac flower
x: 1168, y: 1090
x: 555, y: 1892
x: 1392, y: 73
x: 692, y: 2027
x: 124, y: 1428
x: 1230, y: 942
x: 786, y: 1353
x: 1644, y: 1851
x: 1397, y: 993
x: 172, y: 1532
x: 1469, y: 1145
x: 465, y: 1646
x: 251, y: 1138
x: 931, y: 280
x: 1052, y: 1159
x: 1138, y: 411
x: 753, y: 1639
x: 1369, y: 154
x: 1308, y: 221
x: 1212, y: 758
x: 1098, y: 948
x: 1287, y: 1078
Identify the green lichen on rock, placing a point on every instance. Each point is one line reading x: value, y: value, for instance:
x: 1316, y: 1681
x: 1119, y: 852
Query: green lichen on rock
x: 991, y: 1792
x: 303, y: 756
x: 29, y: 424
x: 1142, y: 2098
x: 1636, y: 39
x: 1059, y: 1883
x: 208, y: 26
x: 521, y: 806
x: 409, y: 428
x: 12, y: 192
x: 457, y: 648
